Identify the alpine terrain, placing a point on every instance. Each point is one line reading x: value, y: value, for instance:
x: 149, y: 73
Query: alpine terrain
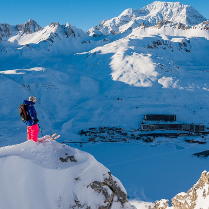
x: 51, y: 175
x: 133, y: 91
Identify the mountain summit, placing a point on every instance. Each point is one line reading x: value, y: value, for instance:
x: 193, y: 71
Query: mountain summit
x: 50, y: 175
x: 149, y: 15
x: 28, y: 27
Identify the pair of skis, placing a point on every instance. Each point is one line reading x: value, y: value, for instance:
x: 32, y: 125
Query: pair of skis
x: 52, y: 137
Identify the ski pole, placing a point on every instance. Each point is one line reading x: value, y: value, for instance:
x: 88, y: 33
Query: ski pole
x: 40, y: 130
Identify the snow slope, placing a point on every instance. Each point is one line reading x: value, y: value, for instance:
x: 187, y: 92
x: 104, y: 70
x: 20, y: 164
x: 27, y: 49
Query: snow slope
x: 50, y: 175
x: 159, y: 56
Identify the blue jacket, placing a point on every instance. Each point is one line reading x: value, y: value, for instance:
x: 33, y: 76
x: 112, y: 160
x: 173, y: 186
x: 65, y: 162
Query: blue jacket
x: 32, y: 113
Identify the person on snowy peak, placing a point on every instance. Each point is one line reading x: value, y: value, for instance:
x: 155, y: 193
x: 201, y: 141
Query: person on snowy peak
x: 32, y: 123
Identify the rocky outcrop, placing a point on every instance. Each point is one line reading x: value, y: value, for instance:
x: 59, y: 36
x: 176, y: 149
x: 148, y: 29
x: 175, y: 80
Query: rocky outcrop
x: 189, y: 199
x: 197, y: 197
x: 30, y: 26
x: 162, y: 204
x: 71, y: 179
x: 111, y: 191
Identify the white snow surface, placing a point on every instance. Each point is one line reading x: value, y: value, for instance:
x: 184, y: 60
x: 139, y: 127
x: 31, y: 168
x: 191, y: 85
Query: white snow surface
x: 159, y: 56
x: 142, y: 205
x: 202, y: 201
x: 33, y: 176
x: 21, y: 71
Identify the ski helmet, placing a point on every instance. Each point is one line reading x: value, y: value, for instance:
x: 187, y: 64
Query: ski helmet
x: 32, y: 99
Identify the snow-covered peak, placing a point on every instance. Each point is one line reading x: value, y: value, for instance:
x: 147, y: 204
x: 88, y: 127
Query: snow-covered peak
x: 31, y: 32
x: 67, y: 30
x: 53, y: 37
x: 51, y: 175
x: 149, y: 15
x: 173, y: 11
x: 6, y: 30
x: 127, y: 12
x: 30, y: 26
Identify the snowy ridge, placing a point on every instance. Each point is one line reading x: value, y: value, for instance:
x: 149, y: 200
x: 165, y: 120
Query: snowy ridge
x: 167, y: 18
x: 49, y: 175
x: 50, y: 33
x: 29, y: 39
x: 150, y: 15
x: 28, y: 27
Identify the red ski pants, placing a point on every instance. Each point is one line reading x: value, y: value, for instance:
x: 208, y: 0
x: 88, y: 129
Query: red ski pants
x: 32, y: 132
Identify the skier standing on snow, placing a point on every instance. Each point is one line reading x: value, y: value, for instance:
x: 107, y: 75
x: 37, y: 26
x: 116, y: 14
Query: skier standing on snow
x: 32, y: 122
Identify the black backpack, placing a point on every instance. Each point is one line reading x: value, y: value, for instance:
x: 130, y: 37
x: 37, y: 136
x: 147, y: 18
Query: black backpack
x: 23, y: 112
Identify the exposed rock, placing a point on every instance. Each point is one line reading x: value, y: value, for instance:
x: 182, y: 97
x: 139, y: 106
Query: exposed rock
x: 189, y: 199
x: 194, y: 141
x: 162, y: 204
x: 30, y: 26
x: 111, y: 191
x: 202, y: 154
x: 196, y: 198
x: 68, y: 159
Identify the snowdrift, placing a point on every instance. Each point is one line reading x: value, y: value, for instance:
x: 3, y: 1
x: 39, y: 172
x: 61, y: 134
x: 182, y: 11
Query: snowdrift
x: 50, y: 175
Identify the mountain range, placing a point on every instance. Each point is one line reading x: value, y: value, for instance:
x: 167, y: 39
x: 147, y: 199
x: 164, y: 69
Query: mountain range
x: 26, y: 38
x: 149, y: 60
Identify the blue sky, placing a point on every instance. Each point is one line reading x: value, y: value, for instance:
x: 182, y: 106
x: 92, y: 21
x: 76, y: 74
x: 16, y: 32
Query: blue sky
x: 81, y: 13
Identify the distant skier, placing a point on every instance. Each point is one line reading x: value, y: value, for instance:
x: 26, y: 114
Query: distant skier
x: 30, y: 118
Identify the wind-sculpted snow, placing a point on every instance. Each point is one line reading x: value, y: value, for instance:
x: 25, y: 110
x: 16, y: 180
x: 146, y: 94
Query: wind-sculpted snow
x: 50, y: 175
